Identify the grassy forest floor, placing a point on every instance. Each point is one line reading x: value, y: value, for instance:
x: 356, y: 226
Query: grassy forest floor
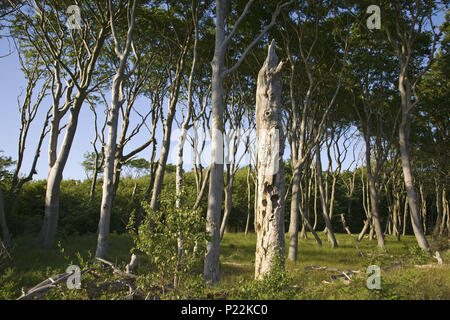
x: 400, y: 278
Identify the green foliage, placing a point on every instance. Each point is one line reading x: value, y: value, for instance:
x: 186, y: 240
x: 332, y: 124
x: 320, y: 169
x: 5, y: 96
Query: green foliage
x: 275, y: 285
x: 4, y: 256
x: 418, y: 255
x: 30, y: 266
x: 5, y: 163
x: 89, y: 163
x: 159, y: 236
x: 137, y: 167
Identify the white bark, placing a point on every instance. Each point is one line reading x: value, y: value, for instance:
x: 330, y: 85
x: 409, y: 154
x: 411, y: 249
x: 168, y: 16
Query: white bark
x: 173, y: 100
x: 374, y: 200
x: 117, y: 100
x: 403, y: 51
x: 406, y: 164
x: 270, y: 243
x: 326, y: 217
x: 57, y: 164
x: 54, y: 179
x: 211, y: 267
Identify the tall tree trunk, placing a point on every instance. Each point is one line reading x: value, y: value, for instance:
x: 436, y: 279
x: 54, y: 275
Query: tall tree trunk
x: 228, y: 201
x: 366, y: 207
x: 117, y: 100
x: 405, y: 215
x: 293, y: 224
x: 159, y: 175
x: 333, y: 190
x: 249, y: 190
x: 328, y: 226
x: 396, y: 217
x: 173, y: 100
x: 372, y: 175
x: 423, y: 206
x: 93, y: 186
x: 270, y: 237
x: 308, y: 224
x: 51, y: 213
x: 445, y: 212
x: 344, y: 224
x: 364, y: 230
x: 57, y: 164
x: 108, y: 171
x: 437, y: 225
x: 374, y: 200
x: 3, y: 224
x: 211, y: 266
x: 161, y: 168
x: 403, y: 132
x: 315, y: 197
x: 211, y: 272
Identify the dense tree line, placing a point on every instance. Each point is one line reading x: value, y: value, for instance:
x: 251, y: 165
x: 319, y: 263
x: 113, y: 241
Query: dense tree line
x: 80, y: 216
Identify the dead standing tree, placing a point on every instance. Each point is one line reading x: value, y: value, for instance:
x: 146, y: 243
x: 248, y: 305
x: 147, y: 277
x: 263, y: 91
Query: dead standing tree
x: 271, y: 180
x: 211, y: 272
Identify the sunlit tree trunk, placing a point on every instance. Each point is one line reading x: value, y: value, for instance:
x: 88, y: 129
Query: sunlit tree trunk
x: 211, y: 270
x: 270, y: 238
x: 406, y: 163
x: 117, y: 100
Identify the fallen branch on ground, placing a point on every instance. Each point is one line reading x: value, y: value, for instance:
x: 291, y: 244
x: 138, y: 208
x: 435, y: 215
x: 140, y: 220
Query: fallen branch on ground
x: 237, y: 264
x: 330, y: 269
x: 42, y: 288
x: 117, y: 270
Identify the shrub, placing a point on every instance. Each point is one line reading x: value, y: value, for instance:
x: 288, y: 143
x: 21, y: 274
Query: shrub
x: 418, y: 255
x: 275, y: 285
x: 159, y: 238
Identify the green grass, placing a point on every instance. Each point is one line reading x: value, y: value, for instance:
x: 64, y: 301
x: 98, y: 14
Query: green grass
x: 30, y: 266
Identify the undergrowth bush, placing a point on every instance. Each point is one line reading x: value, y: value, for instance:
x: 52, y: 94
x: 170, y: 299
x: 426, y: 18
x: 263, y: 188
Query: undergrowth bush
x: 275, y: 285
x: 418, y: 255
x: 173, y: 239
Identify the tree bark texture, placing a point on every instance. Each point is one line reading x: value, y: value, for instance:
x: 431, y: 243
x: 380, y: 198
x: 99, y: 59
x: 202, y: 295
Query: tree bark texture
x: 270, y: 243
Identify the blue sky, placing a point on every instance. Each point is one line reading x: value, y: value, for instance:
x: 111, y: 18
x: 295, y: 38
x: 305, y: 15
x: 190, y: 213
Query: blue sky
x: 12, y: 83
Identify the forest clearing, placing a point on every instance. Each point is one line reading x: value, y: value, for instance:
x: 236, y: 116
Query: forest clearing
x: 401, y: 277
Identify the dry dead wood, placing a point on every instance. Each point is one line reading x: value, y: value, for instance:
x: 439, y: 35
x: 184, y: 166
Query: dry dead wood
x: 117, y: 270
x: 94, y: 290
x: 42, y: 288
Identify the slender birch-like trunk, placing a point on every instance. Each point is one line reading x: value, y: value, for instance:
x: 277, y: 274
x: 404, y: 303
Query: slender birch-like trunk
x: 437, y: 225
x: 249, y: 190
x: 404, y: 127
x: 51, y: 213
x: 374, y: 200
x: 57, y: 162
x: 117, y: 100
x: 3, y: 224
x: 328, y: 226
x: 173, y: 100
x: 211, y: 272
